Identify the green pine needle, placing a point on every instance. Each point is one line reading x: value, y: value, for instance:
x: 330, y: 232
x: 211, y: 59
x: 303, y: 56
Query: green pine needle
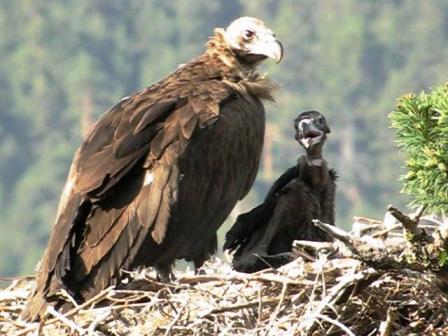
x: 421, y: 125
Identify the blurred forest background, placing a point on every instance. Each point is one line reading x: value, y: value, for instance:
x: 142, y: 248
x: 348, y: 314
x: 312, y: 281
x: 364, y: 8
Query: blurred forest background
x: 64, y: 62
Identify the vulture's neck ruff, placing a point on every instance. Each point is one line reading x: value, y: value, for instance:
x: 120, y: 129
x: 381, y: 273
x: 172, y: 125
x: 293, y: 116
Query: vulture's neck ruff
x: 236, y: 71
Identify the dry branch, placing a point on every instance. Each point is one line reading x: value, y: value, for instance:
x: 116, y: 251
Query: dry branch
x: 363, y: 283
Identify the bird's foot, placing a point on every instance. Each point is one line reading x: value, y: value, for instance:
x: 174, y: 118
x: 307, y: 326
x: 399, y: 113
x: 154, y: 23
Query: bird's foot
x: 165, y: 274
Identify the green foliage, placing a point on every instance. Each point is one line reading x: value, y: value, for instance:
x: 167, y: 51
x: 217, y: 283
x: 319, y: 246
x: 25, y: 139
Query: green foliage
x: 443, y: 258
x: 421, y: 124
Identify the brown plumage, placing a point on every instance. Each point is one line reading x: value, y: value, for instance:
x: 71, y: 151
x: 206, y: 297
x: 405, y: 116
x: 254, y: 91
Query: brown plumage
x: 159, y: 172
x: 263, y: 236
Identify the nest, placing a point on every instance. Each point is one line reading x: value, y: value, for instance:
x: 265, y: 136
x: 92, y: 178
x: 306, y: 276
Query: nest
x: 361, y: 284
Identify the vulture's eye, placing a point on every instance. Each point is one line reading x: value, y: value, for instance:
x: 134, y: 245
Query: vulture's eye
x: 248, y: 34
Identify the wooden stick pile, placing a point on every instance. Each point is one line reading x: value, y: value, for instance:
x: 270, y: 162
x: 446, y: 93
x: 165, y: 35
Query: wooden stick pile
x: 367, y: 282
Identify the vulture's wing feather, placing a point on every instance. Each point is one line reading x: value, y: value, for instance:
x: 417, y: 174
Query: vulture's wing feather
x: 282, y: 182
x: 122, y: 185
x: 249, y: 222
x: 246, y: 224
x: 142, y: 198
x: 105, y: 158
x: 96, y: 169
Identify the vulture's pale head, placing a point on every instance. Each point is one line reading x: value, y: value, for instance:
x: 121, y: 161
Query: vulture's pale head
x: 252, y: 41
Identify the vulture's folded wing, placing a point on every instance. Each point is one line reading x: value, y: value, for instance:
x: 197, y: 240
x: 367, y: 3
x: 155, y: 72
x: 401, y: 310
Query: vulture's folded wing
x: 121, y: 185
x: 282, y: 182
x: 249, y: 222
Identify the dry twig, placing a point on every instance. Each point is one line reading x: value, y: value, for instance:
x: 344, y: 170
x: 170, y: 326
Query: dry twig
x: 345, y: 293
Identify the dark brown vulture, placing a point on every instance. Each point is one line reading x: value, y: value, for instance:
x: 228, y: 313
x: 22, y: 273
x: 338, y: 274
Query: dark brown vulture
x: 263, y: 236
x: 160, y: 171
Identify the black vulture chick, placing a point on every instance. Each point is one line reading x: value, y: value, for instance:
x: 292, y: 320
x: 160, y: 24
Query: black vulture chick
x: 262, y: 237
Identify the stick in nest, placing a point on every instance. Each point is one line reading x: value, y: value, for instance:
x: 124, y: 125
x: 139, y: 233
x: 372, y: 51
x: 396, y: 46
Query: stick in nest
x: 96, y: 298
x: 336, y: 323
x: 239, y: 307
x: 338, y: 291
x: 410, y: 225
x: 386, y: 326
x: 176, y: 318
x: 71, y: 324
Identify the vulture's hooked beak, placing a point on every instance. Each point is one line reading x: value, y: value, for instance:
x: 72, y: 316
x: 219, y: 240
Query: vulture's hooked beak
x: 269, y: 46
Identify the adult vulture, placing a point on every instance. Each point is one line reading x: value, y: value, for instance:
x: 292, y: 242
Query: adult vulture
x: 263, y: 236
x: 160, y: 171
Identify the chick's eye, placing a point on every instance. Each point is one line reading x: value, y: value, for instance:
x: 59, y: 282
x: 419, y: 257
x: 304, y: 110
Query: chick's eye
x: 248, y: 34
